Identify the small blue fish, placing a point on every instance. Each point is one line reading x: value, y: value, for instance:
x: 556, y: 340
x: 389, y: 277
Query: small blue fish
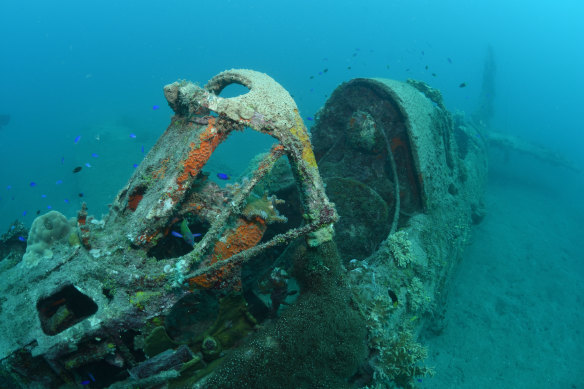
x: 86, y: 382
x: 49, y: 207
x: 135, y: 165
x: 66, y: 201
x: 77, y: 138
x: 44, y: 196
x: 22, y: 239
x: 309, y: 118
x: 9, y: 187
x: 91, y: 377
x: 155, y: 107
x: 94, y: 155
x: 62, y: 160
x: 132, y: 135
x: 222, y: 176
x: 59, y: 182
x: 142, y: 149
x: 24, y: 213
x: 449, y: 60
x: 87, y: 164
x: 32, y: 184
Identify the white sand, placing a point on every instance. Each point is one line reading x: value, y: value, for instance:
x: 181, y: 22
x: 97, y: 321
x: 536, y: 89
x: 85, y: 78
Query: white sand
x: 515, y: 310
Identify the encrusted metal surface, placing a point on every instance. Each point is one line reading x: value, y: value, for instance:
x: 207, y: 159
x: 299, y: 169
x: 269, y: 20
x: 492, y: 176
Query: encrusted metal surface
x: 107, y: 280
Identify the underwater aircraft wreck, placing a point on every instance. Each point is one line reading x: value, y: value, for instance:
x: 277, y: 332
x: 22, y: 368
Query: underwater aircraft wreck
x: 318, y: 269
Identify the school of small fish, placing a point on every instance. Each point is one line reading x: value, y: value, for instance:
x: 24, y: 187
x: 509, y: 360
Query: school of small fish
x: 188, y: 236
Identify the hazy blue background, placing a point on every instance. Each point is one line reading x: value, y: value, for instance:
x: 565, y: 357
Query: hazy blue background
x: 96, y: 68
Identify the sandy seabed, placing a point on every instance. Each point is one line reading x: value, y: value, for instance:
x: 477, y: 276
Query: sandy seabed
x: 515, y: 307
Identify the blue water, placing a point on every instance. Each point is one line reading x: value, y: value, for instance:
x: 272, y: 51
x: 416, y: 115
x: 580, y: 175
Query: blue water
x: 96, y: 70
x: 70, y: 68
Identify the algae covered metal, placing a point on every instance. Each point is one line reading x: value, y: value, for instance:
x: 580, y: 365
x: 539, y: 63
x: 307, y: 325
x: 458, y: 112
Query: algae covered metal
x: 277, y: 285
x: 407, y: 178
